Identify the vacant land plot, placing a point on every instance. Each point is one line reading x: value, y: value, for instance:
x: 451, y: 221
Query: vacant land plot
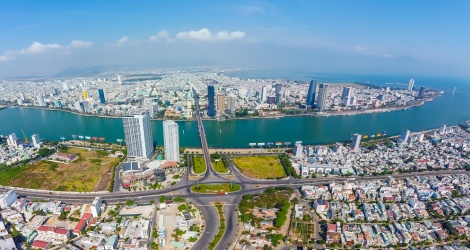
x: 215, y: 188
x: 262, y: 167
x: 199, y: 166
x: 92, y: 171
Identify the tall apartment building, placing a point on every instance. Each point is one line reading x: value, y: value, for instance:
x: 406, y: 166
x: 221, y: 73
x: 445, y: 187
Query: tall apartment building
x: 138, y: 135
x: 221, y: 104
x: 322, y: 96
x: 312, y: 89
x: 356, y: 141
x: 171, y: 141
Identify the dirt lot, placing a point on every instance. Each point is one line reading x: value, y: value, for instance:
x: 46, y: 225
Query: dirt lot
x: 92, y: 171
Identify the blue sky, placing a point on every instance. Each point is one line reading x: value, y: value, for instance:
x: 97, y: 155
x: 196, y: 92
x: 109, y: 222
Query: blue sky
x: 398, y: 37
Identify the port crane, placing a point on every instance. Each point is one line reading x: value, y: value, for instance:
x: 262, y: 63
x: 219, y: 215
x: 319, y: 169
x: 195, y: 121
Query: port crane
x: 25, y: 138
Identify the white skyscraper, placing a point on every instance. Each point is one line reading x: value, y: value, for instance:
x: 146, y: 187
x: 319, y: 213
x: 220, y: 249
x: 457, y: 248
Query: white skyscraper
x: 171, y: 141
x: 151, y: 106
x: 356, y: 141
x: 138, y: 135
x: 41, y: 102
x: 119, y: 79
x: 298, y: 150
x: 36, y: 141
x: 12, y: 140
x: 264, y: 93
x: 410, y: 84
x: 405, y: 134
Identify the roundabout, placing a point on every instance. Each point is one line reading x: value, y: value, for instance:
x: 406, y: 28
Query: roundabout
x: 215, y: 188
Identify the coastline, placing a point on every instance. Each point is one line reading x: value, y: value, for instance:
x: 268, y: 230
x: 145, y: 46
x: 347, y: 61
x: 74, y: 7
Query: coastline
x: 326, y: 114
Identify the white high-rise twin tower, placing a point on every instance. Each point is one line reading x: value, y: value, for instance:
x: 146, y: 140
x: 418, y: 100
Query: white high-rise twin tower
x: 139, y: 140
x: 171, y: 141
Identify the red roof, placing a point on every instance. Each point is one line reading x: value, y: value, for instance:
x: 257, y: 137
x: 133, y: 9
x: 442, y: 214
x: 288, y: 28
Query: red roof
x: 40, y: 244
x: 81, y: 224
x: 331, y: 228
x: 61, y: 231
x: 43, y: 228
x: 86, y: 216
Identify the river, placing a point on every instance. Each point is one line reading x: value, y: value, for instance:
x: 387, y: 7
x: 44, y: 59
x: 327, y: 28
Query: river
x: 447, y: 109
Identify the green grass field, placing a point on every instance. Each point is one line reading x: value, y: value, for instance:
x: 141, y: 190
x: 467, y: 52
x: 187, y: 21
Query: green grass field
x: 199, y: 165
x: 261, y: 167
x: 215, y: 188
x: 219, y: 167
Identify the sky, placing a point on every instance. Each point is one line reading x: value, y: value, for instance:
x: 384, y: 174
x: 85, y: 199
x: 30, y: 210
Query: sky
x: 420, y: 37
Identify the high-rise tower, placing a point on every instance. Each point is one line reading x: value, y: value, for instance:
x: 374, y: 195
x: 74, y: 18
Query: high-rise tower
x: 211, y: 97
x: 138, y: 135
x: 312, y: 88
x: 322, y: 96
x: 171, y: 141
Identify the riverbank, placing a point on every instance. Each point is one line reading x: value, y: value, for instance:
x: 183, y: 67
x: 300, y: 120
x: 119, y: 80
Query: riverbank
x: 319, y: 114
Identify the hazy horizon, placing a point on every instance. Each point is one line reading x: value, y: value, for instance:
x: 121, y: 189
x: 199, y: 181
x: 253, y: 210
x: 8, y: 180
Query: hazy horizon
x: 376, y: 37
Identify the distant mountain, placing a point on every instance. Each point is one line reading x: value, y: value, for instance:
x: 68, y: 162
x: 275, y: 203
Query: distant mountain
x: 88, y: 71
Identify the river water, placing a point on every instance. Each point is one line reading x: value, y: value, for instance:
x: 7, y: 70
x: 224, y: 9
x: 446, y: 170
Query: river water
x: 447, y: 109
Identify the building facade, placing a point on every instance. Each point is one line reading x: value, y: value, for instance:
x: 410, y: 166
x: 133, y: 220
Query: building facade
x: 101, y: 96
x: 171, y: 141
x: 355, y: 142
x: 211, y: 99
x: 221, y: 107
x: 138, y: 135
x: 322, y: 96
x: 312, y: 89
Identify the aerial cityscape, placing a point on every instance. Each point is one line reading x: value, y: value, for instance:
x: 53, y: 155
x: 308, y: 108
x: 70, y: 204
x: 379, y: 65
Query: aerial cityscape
x: 241, y: 126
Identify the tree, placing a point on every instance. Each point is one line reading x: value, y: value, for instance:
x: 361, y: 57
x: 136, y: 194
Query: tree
x: 162, y: 199
x: 152, y: 202
x: 129, y: 202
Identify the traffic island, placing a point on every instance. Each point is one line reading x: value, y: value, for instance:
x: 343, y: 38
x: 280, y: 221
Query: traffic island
x: 216, y: 188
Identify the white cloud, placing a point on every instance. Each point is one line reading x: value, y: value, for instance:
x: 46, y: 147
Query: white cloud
x: 205, y: 35
x: 160, y: 36
x: 37, y: 47
x: 359, y: 48
x: 121, y: 41
x: 80, y: 44
x: 6, y: 58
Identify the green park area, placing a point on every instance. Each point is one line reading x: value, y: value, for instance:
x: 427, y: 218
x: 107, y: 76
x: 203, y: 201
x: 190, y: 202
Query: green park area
x: 214, y: 188
x: 92, y: 171
x: 260, y: 167
x: 220, y: 163
x: 199, y: 165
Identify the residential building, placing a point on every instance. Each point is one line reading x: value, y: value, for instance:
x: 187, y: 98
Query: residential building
x: 356, y: 141
x: 138, y: 135
x: 405, y: 135
x: 264, y: 94
x: 322, y: 96
x: 411, y: 84
x: 36, y: 141
x: 12, y: 140
x: 221, y: 104
x: 171, y: 141
x: 96, y: 207
x: 7, y: 199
